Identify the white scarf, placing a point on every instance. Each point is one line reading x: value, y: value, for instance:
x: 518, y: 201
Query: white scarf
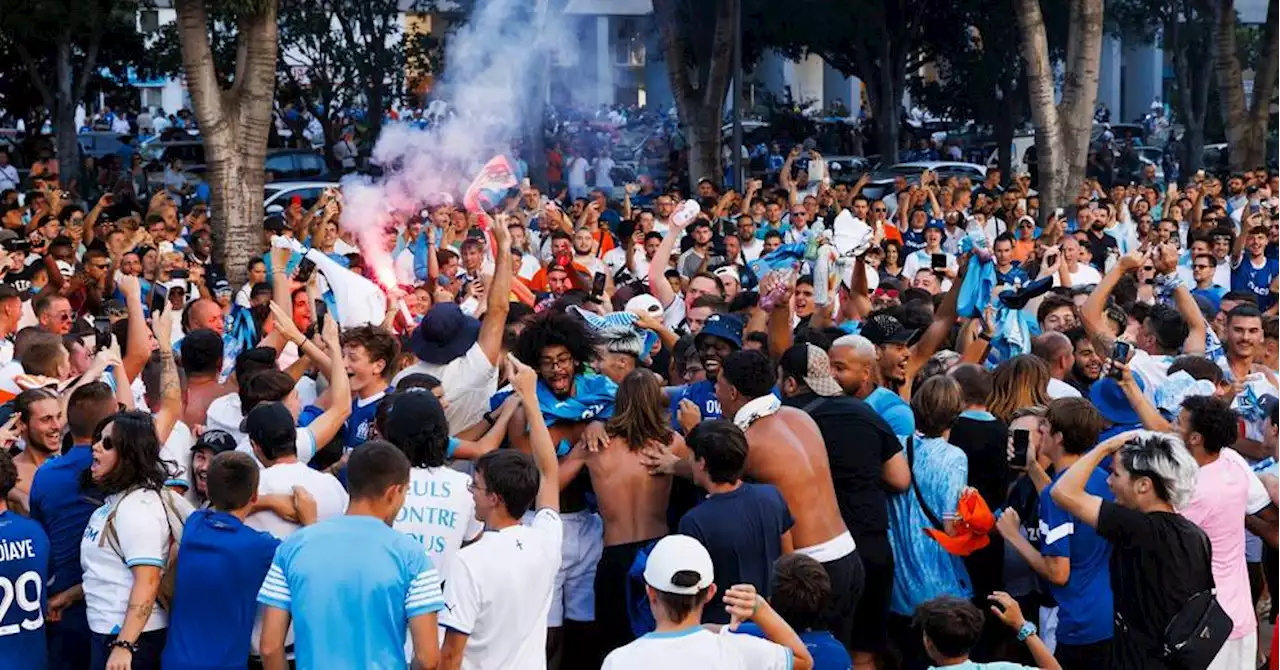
x: 765, y: 405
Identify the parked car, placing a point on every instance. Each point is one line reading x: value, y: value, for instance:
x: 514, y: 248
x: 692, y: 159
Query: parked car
x: 298, y: 165
x: 881, y: 182
x: 278, y: 193
x: 99, y: 144
x: 156, y: 155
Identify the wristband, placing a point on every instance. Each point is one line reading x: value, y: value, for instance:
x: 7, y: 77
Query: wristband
x: 131, y: 647
x: 1027, y: 630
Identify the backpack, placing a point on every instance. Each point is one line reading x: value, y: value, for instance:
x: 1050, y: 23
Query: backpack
x: 176, y: 511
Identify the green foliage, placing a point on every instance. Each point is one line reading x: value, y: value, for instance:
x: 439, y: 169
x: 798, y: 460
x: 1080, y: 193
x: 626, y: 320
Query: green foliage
x: 103, y: 42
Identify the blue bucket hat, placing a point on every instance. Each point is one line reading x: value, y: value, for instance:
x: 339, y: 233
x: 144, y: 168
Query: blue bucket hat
x: 445, y: 334
x: 1111, y: 401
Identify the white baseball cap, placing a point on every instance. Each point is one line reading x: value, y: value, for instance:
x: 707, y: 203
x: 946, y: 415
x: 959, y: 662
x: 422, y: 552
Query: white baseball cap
x: 674, y: 554
x: 644, y: 305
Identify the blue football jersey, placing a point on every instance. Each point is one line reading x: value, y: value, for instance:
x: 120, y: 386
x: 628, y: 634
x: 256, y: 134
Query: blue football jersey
x: 24, y: 571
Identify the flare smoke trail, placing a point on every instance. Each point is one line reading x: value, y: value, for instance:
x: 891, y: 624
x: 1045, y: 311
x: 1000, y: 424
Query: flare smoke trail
x: 487, y: 82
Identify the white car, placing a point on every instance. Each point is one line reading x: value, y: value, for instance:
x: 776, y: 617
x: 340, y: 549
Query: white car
x: 881, y: 182
x: 278, y: 194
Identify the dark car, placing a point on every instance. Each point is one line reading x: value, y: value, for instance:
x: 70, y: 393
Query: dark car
x: 298, y: 165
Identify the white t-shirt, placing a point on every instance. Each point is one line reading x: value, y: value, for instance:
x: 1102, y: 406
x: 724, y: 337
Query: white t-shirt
x: 1154, y: 369
x: 921, y: 259
x: 468, y: 381
x: 439, y: 513
x: 577, y: 172
x: 224, y: 414
x: 331, y: 498
x: 602, y: 167
x: 697, y: 647
x: 674, y: 314
x: 753, y: 249
x: 499, y: 593
x: 142, y: 530
x: 1084, y: 275
x: 1060, y: 389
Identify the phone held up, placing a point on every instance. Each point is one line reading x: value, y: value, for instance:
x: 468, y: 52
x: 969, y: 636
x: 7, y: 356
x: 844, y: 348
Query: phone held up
x: 1021, y: 443
x: 1119, y: 353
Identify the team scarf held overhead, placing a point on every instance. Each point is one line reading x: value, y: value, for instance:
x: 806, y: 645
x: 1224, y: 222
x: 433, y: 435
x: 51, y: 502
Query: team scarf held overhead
x: 592, y: 400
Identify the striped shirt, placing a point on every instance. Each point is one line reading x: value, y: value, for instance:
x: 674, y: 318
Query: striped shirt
x: 351, y: 584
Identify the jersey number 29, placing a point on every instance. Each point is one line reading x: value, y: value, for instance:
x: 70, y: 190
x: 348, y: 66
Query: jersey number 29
x: 25, y: 592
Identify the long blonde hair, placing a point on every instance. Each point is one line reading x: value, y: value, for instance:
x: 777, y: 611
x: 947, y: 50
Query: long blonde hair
x: 1021, y: 381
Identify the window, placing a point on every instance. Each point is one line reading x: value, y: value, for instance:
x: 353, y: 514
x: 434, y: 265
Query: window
x: 310, y: 165
x: 149, y: 21
x: 152, y: 97
x: 628, y: 42
x: 280, y: 165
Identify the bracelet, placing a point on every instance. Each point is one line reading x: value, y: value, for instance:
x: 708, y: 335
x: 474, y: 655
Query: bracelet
x: 131, y: 647
x: 984, y: 335
x: 1027, y: 630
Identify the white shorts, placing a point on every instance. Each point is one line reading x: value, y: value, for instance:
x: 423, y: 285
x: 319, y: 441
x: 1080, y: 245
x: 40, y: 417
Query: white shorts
x: 574, y: 596
x: 1238, y: 654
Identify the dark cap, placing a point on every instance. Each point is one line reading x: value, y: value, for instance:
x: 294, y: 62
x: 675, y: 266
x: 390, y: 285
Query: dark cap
x: 884, y: 329
x: 269, y: 425
x: 217, y: 441
x: 724, y: 326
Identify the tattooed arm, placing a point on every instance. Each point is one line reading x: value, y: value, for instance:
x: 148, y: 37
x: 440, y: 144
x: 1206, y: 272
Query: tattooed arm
x: 142, y: 600
x: 170, y: 386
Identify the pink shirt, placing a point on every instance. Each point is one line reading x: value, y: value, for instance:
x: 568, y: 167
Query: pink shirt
x: 1226, y: 491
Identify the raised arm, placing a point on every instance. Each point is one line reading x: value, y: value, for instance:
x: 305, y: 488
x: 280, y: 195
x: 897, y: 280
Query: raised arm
x: 936, y: 334
x: 498, y: 301
x: 1094, y: 311
x: 327, y: 425
x: 139, y: 341
x: 658, y: 285
x: 170, y: 384
x: 1069, y: 492
x: 525, y: 381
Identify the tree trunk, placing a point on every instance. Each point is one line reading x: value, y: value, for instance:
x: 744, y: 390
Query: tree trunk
x: 1062, y: 130
x: 1246, y: 124
x: 1050, y: 159
x: 1080, y: 87
x: 699, y: 88
x: 64, y: 115
x: 235, y: 123
x: 1190, y: 43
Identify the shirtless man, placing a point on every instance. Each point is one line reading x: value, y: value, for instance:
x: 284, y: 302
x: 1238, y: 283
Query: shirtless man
x: 785, y: 448
x: 39, y: 423
x: 632, y: 503
x: 558, y: 346
x: 202, y: 364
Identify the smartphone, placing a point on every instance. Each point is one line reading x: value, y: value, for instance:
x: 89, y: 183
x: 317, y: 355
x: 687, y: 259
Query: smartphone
x: 305, y: 269
x: 597, y: 284
x: 322, y: 309
x: 158, y: 298
x: 101, y: 333
x: 1119, y: 353
x: 1021, y: 441
x: 179, y: 274
x: 1050, y: 259
x: 939, y: 261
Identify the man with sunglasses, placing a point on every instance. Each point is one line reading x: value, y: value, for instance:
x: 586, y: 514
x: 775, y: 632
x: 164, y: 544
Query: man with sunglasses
x: 54, y: 313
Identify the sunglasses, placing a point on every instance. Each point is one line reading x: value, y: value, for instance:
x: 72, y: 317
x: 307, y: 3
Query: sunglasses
x: 107, y: 443
x: 880, y: 209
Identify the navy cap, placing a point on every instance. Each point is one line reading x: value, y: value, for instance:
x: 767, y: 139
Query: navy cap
x: 724, y: 326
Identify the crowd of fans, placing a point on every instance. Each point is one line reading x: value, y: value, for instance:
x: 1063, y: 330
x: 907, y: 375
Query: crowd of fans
x: 660, y: 431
